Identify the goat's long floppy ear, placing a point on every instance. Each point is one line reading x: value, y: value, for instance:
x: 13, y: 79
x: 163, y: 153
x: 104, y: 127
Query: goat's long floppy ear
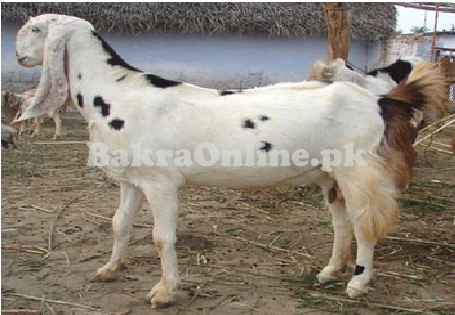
x: 53, y: 86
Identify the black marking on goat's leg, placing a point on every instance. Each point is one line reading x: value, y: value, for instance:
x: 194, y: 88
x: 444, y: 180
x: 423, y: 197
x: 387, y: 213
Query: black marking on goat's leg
x: 79, y: 76
x: 358, y: 270
x: 80, y: 100
x: 116, y: 124
x: 105, y: 108
x: 224, y: 93
x: 121, y: 78
x: 267, y: 146
x: 248, y: 124
x: 264, y: 118
x: 115, y: 59
x: 160, y: 82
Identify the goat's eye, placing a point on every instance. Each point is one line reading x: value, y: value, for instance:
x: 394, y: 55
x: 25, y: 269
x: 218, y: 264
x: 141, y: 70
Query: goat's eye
x: 35, y: 29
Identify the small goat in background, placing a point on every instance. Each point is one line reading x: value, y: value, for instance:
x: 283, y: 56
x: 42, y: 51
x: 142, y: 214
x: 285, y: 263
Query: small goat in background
x: 18, y: 103
x: 379, y: 81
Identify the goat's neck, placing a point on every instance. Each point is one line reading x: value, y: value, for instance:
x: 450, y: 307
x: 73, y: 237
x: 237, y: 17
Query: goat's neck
x: 91, y: 77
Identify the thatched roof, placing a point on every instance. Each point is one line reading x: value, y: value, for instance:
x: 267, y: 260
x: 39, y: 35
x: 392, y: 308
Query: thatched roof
x: 275, y: 19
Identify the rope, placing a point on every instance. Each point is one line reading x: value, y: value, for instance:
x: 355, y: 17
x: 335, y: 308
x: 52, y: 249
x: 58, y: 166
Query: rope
x: 354, y: 66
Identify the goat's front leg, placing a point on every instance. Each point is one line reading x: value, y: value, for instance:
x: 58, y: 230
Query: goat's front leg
x: 364, y: 265
x: 163, y: 200
x: 58, y: 124
x: 342, y: 237
x: 131, y: 200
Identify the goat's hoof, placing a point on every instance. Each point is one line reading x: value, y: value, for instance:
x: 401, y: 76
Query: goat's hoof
x: 328, y: 274
x: 104, y: 274
x: 54, y: 137
x: 356, y: 288
x: 162, y: 301
x: 33, y: 136
x: 159, y: 297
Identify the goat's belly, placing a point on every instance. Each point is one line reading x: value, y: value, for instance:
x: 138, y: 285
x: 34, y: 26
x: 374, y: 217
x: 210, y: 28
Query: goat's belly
x: 218, y: 176
x: 259, y: 178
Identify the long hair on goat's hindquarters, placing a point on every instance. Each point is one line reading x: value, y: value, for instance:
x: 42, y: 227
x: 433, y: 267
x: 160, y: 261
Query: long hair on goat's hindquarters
x: 422, y: 95
x: 370, y: 191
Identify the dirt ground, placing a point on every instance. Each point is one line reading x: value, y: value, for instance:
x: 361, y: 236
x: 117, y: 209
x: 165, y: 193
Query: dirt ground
x: 225, y: 260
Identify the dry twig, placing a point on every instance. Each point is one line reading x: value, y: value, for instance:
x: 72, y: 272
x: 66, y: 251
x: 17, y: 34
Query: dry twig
x: 108, y: 251
x: 369, y: 304
x: 27, y: 249
x: 267, y: 246
x: 52, y: 226
x: 35, y: 298
x: 417, y: 241
x: 21, y: 312
x: 109, y: 219
x: 432, y: 133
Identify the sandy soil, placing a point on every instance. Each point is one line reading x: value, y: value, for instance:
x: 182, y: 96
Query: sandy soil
x: 225, y: 261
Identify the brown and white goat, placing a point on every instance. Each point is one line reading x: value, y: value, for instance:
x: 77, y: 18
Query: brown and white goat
x: 20, y: 103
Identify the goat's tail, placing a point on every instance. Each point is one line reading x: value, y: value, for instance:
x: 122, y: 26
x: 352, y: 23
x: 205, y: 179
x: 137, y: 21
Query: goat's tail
x: 425, y: 90
x: 371, y: 194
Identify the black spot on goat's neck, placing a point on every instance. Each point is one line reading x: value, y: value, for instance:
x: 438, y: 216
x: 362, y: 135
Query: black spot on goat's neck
x: 248, y: 124
x: 79, y: 76
x: 359, y: 270
x: 224, y: 93
x: 263, y: 118
x: 398, y: 71
x: 105, y: 108
x: 80, y: 100
x: 116, y: 124
x: 267, y: 146
x: 160, y: 82
x: 114, y: 59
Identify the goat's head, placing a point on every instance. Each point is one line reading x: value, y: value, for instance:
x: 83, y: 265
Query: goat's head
x: 336, y: 70
x: 42, y: 41
x: 9, y: 99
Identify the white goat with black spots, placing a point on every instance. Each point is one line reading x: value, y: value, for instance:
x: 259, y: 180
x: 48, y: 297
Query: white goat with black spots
x: 378, y: 81
x: 132, y: 111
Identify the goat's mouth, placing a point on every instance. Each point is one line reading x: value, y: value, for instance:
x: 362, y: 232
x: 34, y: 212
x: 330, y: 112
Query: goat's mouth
x: 20, y: 60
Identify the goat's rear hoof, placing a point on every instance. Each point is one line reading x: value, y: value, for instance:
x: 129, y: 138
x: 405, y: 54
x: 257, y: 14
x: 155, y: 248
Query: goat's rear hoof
x: 104, y: 274
x: 55, y: 137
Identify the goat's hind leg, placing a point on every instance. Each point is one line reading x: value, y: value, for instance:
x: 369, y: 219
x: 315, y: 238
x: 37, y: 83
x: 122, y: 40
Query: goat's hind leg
x: 131, y: 200
x: 163, y: 199
x: 370, y: 195
x: 342, y: 236
x: 38, y: 121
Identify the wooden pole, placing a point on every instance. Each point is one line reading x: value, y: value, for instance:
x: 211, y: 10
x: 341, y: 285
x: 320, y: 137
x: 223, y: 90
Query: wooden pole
x: 338, y: 23
x: 433, y: 42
